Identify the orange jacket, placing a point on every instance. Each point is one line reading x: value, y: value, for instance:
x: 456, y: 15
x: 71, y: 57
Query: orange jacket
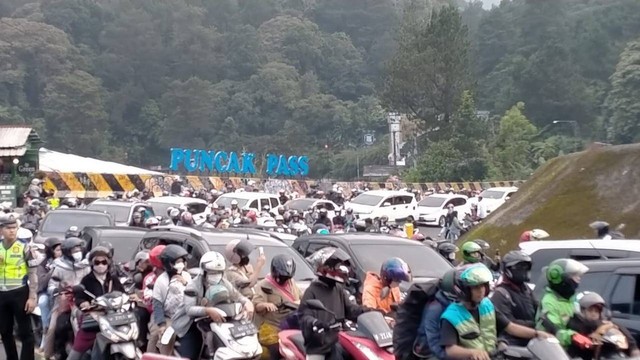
x: 371, y: 294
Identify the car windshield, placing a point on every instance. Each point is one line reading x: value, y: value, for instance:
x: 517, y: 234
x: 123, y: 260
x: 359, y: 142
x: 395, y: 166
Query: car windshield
x: 226, y: 201
x: 492, y: 194
x: 303, y: 271
x: 432, y: 201
x: 124, y: 245
x: 423, y: 261
x: 300, y: 204
x: 119, y: 213
x: 62, y: 221
x: 366, y: 199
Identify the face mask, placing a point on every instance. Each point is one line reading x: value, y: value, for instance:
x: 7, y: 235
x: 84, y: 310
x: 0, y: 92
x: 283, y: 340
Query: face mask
x: 520, y: 276
x: 281, y: 280
x: 100, y: 269
x: 179, y: 267
x: 244, y: 261
x: 77, y: 256
x: 213, y: 279
x: 566, y: 289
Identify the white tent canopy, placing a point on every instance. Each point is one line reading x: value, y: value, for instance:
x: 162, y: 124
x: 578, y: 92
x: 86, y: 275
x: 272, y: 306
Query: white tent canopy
x: 54, y: 161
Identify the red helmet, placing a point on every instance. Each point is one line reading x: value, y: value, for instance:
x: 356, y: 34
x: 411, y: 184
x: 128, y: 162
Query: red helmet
x: 418, y: 236
x: 526, y: 236
x: 154, y: 256
x: 252, y: 215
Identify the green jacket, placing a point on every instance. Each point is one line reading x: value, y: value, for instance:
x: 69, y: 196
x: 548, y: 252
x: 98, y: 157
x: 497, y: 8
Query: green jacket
x: 554, y: 312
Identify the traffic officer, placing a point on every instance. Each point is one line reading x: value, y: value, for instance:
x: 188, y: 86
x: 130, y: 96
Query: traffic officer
x: 18, y: 288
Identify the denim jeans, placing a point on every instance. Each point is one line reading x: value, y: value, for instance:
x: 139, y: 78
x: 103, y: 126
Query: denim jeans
x: 44, y: 304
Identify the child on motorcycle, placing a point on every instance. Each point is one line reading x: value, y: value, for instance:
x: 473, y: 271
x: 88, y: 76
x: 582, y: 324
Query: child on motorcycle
x: 381, y: 291
x: 241, y: 274
x: 209, y: 288
x: 277, y: 297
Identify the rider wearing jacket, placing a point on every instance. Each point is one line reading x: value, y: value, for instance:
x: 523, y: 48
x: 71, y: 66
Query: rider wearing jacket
x: 381, y: 291
x: 513, y: 298
x: 241, y: 273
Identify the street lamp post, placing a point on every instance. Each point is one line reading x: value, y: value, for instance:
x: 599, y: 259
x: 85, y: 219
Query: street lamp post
x: 576, y: 129
x: 393, y: 119
x: 14, y: 169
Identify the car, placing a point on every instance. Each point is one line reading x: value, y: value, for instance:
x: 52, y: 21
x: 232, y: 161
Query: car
x: 124, y: 240
x: 368, y: 251
x: 255, y: 201
x: 122, y: 211
x: 544, y: 252
x: 618, y: 282
x: 493, y: 198
x: 302, y: 205
x: 432, y: 210
x: 264, y: 230
x: 199, y: 241
x: 396, y: 205
x: 58, y: 221
x: 161, y: 204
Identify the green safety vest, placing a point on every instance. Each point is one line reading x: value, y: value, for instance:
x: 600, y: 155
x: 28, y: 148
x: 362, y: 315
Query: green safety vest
x: 465, y: 324
x: 13, y: 266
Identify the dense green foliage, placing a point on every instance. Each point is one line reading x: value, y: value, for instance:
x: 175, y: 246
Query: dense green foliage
x: 126, y: 80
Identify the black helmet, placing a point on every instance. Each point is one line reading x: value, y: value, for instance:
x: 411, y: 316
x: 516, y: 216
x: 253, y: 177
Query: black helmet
x: 50, y: 245
x: 237, y: 251
x: 516, y: 266
x: 68, y: 245
x: 108, y: 246
x: 483, y: 244
x: 447, y: 248
x: 73, y: 231
x: 283, y: 266
x: 99, y: 251
x: 170, y: 255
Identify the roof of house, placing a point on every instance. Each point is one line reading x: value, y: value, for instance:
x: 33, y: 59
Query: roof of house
x: 13, y: 139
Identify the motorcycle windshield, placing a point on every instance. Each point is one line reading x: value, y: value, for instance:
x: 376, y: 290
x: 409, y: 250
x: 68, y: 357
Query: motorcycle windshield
x: 547, y: 349
x: 373, y: 325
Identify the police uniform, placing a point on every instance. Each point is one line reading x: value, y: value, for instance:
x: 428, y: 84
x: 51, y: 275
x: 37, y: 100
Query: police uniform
x: 18, y: 283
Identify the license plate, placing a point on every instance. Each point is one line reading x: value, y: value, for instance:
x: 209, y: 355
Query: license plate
x: 121, y: 319
x: 243, y: 329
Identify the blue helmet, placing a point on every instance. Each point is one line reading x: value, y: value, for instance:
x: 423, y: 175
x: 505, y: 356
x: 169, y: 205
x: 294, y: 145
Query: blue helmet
x: 395, y: 270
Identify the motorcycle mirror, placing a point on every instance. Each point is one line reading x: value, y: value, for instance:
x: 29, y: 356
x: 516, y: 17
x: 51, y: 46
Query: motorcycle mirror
x: 315, y: 304
x: 354, y: 282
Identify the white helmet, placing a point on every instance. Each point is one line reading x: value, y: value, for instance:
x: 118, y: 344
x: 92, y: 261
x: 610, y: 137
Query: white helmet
x: 234, y: 202
x: 25, y: 235
x: 279, y: 218
x: 212, y: 261
x: 538, y: 234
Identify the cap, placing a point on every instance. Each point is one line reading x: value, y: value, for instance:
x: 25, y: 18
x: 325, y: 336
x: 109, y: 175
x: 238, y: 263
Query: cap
x: 8, y: 219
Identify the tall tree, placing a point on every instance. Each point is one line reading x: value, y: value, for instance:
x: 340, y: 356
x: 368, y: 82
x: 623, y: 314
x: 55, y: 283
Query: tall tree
x: 623, y: 105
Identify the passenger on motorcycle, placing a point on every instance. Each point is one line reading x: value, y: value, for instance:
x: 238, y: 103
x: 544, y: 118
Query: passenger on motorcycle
x: 471, y: 253
x: 470, y: 327
x: 240, y: 273
x: 147, y: 292
x: 382, y: 291
x: 204, y: 286
x: 492, y: 264
x: 448, y: 251
x: 68, y: 271
x: 557, y: 304
x: 513, y: 298
x: 168, y: 292
x: 320, y: 340
x: 274, y: 301
x: 98, y: 282
x: 142, y: 268
x: 592, y: 321
x: 52, y: 249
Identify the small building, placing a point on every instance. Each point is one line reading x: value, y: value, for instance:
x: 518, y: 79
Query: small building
x: 19, y: 146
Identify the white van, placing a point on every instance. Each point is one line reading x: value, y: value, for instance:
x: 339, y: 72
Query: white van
x: 396, y: 205
x: 255, y: 201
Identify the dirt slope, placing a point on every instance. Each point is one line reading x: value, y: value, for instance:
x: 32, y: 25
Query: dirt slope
x: 566, y: 194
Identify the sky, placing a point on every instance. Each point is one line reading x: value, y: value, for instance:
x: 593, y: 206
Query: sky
x: 487, y: 3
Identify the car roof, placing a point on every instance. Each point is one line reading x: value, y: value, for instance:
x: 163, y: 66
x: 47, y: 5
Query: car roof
x: 387, y: 193
x: 246, y: 195
x: 117, y: 203
x: 75, y: 211
x: 115, y: 229
x: 363, y: 238
x: 446, y: 196
x: 218, y: 236
x: 503, y: 188
x: 530, y: 247
x: 176, y: 200
x: 610, y: 264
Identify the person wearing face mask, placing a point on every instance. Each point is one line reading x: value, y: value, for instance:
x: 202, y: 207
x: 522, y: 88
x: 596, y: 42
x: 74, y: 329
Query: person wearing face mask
x: 382, y: 291
x: 98, y: 282
x: 272, y: 293
x: 68, y: 271
x: 209, y: 288
x: 557, y: 304
x: 143, y: 267
x: 168, y: 292
x: 52, y: 252
x: 240, y: 273
x: 513, y: 298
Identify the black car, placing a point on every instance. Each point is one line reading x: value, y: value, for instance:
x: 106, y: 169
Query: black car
x: 199, y: 241
x: 618, y: 282
x: 125, y: 240
x: 368, y: 251
x: 57, y: 222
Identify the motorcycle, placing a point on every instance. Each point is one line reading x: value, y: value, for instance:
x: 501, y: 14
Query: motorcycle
x: 536, y: 349
x: 611, y: 345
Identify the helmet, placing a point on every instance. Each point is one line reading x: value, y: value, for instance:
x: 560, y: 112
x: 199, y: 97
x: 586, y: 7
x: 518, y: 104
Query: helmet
x: 447, y: 250
x: 283, y: 266
x: 418, y: 236
x: 447, y: 283
x: 107, y: 245
x: 384, y: 218
x: 323, y: 232
x: 471, y: 275
x: 154, y: 256
x: 151, y: 222
x: 526, y: 236
x: 538, y: 234
x: 50, y: 245
x: 395, y: 270
x: 516, y: 266
x: 588, y: 299
x: 141, y: 256
x: 238, y: 250
x: 186, y: 218
x: 169, y: 210
x: 212, y: 261
x: 349, y: 211
x: 217, y: 294
x: 331, y: 262
x: 266, y: 208
x: 68, y: 245
x: 469, y: 248
x: 483, y: 244
x: 234, y: 202
x: 99, y: 251
x: 560, y: 274
x: 170, y: 255
x: 72, y: 232
x: 279, y: 218
x: 25, y: 235
x: 174, y: 213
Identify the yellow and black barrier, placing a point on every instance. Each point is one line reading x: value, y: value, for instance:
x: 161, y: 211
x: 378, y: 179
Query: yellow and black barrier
x: 90, y: 185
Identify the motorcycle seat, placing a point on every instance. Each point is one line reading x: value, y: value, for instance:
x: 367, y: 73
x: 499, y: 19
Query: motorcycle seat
x: 298, y: 340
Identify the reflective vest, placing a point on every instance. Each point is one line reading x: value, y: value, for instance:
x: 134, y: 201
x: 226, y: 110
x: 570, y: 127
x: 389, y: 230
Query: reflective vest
x: 466, y: 325
x: 13, y: 266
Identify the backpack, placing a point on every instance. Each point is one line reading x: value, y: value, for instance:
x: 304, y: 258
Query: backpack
x: 409, y: 315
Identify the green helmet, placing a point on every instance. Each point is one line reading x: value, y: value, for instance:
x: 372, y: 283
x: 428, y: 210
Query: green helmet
x: 469, y: 248
x: 471, y: 275
x: 560, y: 274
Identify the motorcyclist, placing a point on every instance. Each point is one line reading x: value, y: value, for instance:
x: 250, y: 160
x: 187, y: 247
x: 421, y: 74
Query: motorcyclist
x: 513, y: 298
x: 210, y: 288
x: 604, y: 232
x: 383, y: 224
x: 369, y: 226
x: 68, y: 271
x: 533, y: 235
x: 31, y: 216
x: 297, y: 225
x: 272, y: 294
x: 381, y: 291
x: 151, y: 222
x: 557, y: 304
x: 137, y: 220
x: 592, y: 321
x: 281, y: 227
x: 241, y: 273
x: 174, y: 215
x: 492, y: 264
x: 471, y: 253
x: 350, y: 220
x: 234, y: 207
x: 186, y: 219
x: 323, y: 218
x: 283, y: 197
x: 448, y: 251
x: 472, y: 313
x: 141, y: 268
x: 52, y: 251
x: 266, y: 211
x: 310, y: 216
x: 147, y: 292
x: 72, y: 232
x: 332, y: 268
x: 338, y: 219
x: 98, y: 282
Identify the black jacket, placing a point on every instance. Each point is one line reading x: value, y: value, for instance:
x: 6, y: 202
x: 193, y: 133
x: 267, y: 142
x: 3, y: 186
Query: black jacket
x: 334, y: 299
x: 92, y: 285
x: 518, y: 305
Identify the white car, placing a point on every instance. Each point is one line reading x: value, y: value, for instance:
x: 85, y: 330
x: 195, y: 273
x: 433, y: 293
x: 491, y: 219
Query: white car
x: 493, y: 198
x: 255, y: 201
x: 433, y: 208
x: 302, y: 205
x: 396, y: 205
